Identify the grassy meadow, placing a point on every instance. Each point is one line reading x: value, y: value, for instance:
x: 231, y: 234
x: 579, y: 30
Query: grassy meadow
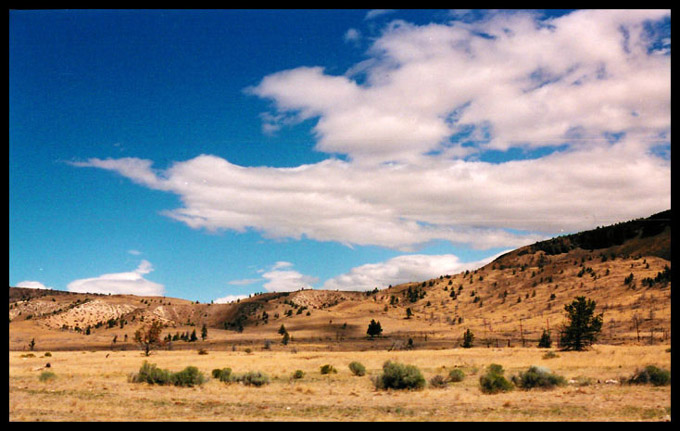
x: 94, y: 386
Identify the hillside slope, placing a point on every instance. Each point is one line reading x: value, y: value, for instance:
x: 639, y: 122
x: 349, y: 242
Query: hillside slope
x: 625, y: 268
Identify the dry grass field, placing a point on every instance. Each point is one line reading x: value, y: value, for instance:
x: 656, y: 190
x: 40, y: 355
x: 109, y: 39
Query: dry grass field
x: 507, y: 304
x: 94, y: 386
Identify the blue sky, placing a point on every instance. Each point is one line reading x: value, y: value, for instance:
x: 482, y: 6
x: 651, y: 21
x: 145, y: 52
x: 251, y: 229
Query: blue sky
x: 212, y: 154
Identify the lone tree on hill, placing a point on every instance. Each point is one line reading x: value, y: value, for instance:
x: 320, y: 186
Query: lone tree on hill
x: 583, y: 326
x: 149, y: 337
x: 374, y: 328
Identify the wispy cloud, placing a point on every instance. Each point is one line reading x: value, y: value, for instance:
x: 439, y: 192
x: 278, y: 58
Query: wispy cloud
x: 245, y: 281
x: 120, y: 283
x: 374, y: 13
x: 352, y: 35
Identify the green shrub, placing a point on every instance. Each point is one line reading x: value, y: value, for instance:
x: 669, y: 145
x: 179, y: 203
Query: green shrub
x: 357, y: 368
x: 47, y: 354
x: 399, y: 376
x: 150, y: 373
x: 253, y: 378
x: 438, y: 382
x: 456, y: 375
x: 190, y: 376
x: 47, y: 376
x: 493, y: 381
x: 653, y: 375
x: 328, y: 369
x: 222, y: 374
x: 538, y: 377
x: 298, y: 374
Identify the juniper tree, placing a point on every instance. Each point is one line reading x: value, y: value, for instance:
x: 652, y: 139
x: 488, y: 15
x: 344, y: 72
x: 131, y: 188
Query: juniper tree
x: 374, y: 328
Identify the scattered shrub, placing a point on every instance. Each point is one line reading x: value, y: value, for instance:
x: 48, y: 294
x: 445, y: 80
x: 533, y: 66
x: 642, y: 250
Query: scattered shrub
x: 328, y: 369
x: 493, y: 381
x: 150, y: 373
x: 550, y: 355
x: 653, y: 375
x: 47, y: 354
x: 456, y: 375
x: 190, y: 376
x: 438, y: 381
x: 222, y: 374
x: 202, y: 352
x: 253, y: 378
x: 399, y: 376
x: 357, y: 368
x: 581, y: 381
x: 46, y: 376
x: 538, y: 377
x: 298, y: 374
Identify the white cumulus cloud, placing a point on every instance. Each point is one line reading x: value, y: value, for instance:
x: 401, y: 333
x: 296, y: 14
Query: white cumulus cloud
x: 401, y: 269
x: 32, y: 285
x: 130, y: 283
x: 281, y: 278
x: 583, y: 96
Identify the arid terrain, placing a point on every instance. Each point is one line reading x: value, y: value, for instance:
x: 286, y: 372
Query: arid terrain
x: 88, y: 341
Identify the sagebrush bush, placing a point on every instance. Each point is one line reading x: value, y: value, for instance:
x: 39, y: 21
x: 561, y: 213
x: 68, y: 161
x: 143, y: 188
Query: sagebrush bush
x: 456, y: 375
x: 328, y: 369
x: 150, y: 373
x: 253, y: 378
x: 222, y: 374
x: 438, y: 382
x: 47, y: 376
x: 652, y: 375
x: 47, y: 354
x: 493, y: 381
x: 538, y: 377
x: 298, y: 374
x: 399, y: 376
x: 357, y: 368
x: 190, y: 376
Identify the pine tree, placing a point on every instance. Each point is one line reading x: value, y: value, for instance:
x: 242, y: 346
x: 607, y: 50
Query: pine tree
x: 204, y: 332
x: 583, y: 325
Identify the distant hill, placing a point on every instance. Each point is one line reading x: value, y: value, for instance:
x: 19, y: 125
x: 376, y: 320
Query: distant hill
x: 625, y: 268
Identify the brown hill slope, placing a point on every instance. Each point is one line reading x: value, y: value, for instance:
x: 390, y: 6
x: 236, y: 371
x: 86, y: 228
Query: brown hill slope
x: 508, y: 301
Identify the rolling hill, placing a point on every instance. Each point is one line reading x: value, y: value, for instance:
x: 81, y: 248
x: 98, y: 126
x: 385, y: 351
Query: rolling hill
x: 625, y: 268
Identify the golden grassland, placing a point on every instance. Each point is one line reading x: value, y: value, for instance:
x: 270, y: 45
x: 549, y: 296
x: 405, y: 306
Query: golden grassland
x: 94, y: 386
